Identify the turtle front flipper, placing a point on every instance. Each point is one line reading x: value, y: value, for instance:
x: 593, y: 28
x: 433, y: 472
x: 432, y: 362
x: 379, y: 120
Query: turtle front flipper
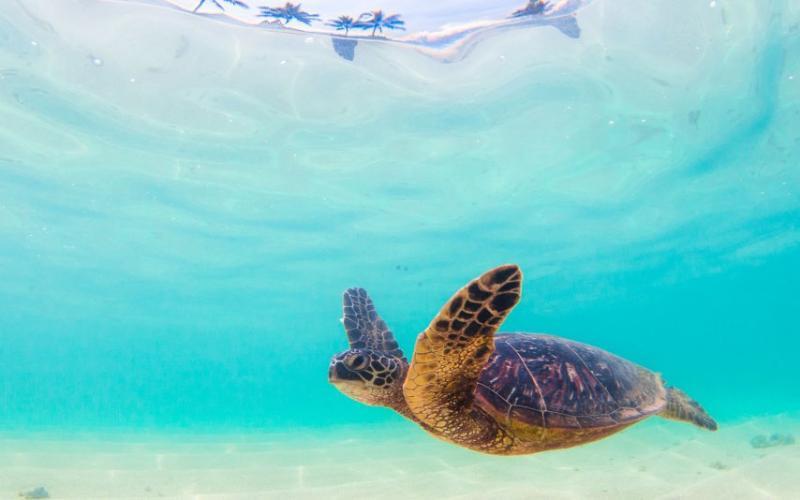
x: 450, y: 355
x: 365, y: 329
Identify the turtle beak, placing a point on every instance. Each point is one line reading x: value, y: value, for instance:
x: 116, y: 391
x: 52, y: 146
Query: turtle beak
x: 332, y: 373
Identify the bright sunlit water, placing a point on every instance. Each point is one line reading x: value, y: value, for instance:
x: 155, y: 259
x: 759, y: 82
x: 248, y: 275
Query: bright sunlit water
x: 183, y: 201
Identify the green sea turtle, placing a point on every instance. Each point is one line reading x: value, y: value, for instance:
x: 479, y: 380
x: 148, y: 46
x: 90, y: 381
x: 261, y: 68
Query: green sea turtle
x: 504, y: 394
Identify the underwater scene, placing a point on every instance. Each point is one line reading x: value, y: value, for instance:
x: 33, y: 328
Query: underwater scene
x: 392, y: 250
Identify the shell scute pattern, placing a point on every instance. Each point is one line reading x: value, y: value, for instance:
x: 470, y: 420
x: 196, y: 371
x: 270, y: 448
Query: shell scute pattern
x: 554, y: 383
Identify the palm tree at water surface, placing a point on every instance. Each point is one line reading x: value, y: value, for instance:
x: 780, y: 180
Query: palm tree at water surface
x: 377, y: 20
x: 345, y: 23
x: 236, y: 3
x: 289, y: 12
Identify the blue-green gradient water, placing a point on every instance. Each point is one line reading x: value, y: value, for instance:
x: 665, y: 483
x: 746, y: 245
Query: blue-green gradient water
x: 183, y: 201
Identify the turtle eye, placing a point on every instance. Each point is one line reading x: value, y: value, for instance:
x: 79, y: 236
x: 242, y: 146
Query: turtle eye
x: 356, y: 362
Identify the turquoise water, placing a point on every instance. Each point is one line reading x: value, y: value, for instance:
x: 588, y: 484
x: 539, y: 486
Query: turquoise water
x: 182, y: 203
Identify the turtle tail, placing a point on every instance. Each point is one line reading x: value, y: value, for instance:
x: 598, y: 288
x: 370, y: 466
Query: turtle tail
x: 682, y: 407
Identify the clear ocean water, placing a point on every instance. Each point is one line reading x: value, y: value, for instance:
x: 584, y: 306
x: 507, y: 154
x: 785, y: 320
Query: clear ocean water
x: 184, y: 198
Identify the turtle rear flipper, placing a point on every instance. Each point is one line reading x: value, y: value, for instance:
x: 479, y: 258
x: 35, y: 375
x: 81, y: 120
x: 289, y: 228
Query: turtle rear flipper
x: 682, y: 407
x: 450, y: 355
x: 365, y: 329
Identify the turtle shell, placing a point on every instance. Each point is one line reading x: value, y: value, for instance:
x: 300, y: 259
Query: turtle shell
x: 550, y: 382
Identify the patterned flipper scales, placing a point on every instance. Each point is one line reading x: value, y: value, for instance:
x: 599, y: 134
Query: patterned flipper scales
x: 451, y: 353
x: 365, y: 329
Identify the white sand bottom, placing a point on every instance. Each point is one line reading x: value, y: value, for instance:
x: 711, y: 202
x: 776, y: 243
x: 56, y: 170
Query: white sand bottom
x: 656, y: 459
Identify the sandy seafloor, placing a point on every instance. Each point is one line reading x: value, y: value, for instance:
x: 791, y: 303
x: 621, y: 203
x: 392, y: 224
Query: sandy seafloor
x: 655, y: 459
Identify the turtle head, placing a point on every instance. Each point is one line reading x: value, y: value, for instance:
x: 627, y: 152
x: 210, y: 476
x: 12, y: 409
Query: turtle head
x: 373, y: 370
x: 370, y: 377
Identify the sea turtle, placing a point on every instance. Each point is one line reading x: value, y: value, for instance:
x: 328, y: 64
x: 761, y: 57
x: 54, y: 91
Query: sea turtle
x: 503, y: 394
